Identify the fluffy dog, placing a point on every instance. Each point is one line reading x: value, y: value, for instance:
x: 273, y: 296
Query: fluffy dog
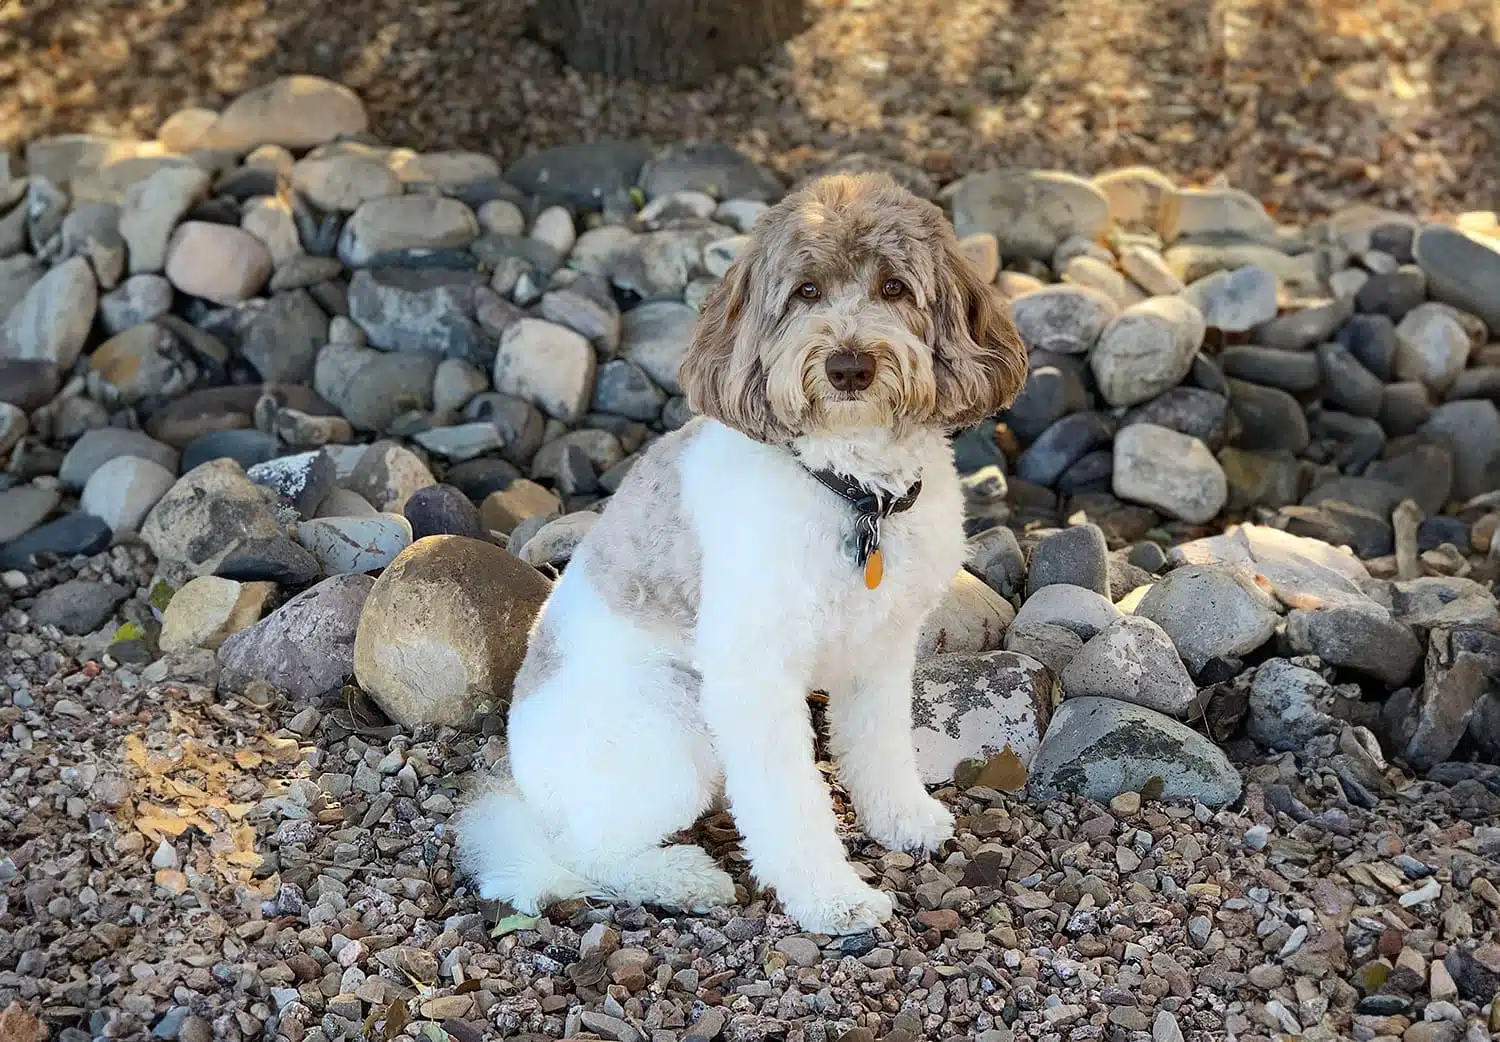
x: 790, y: 539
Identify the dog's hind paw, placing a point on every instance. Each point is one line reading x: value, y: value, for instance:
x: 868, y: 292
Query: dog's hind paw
x: 921, y: 823
x: 851, y: 908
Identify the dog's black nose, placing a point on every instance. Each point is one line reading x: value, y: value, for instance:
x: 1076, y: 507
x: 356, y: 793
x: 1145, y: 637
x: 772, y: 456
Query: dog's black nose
x: 850, y: 370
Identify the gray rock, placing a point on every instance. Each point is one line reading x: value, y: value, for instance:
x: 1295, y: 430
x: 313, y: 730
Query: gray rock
x: 1472, y: 429
x: 1372, y: 340
x: 269, y: 559
x: 98, y: 447
x: 1294, y: 371
x: 205, y: 515
x: 1101, y: 747
x: 1348, y: 384
x: 77, y: 606
x: 122, y: 491
x: 1210, y: 612
x: 1440, y: 600
x: 27, y: 384
x: 1225, y: 213
x: 387, y: 475
x: 713, y: 169
x: 283, y: 337
x: 52, y: 321
x: 75, y: 533
x: 1307, y: 322
x: 422, y: 309
x: 1029, y: 211
x: 1132, y: 659
x: 1076, y: 556
x: 521, y: 424
x: 1063, y: 444
x: 1404, y: 408
x: 1052, y: 645
x: 303, y: 480
x: 306, y: 647
x: 1432, y: 347
x: 1289, y: 706
x: 1193, y: 411
x: 355, y: 544
x: 656, y: 337
x: 1424, y: 473
x: 1147, y: 349
x: 92, y: 231
x: 1364, y: 639
x: 1462, y: 269
x: 143, y: 364
x: 461, y: 442
x: 1392, y: 293
x: 975, y: 706
x: 372, y: 388
x: 555, y: 542
x: 971, y: 617
x: 1085, y: 612
x: 405, y: 222
x: 1063, y: 318
x: 151, y: 210
x: 455, y: 384
x: 549, y: 365
x: 1269, y: 479
x: 1270, y: 419
x: 1042, y: 402
x: 657, y: 265
x: 587, y: 307
x: 623, y: 388
x: 1172, y: 472
x: 995, y: 556
x: 1235, y: 301
x: 23, y: 507
x: 442, y: 510
x: 585, y: 175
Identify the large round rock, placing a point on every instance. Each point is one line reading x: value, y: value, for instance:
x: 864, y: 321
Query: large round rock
x: 967, y: 706
x: 445, y: 629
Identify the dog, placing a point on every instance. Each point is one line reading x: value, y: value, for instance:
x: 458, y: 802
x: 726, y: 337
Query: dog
x: 790, y: 538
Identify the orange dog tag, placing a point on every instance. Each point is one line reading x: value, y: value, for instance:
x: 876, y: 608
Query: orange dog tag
x: 874, y: 570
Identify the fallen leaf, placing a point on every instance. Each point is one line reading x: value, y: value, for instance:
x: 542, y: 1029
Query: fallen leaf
x: 512, y: 923
x: 1153, y: 788
x: 1004, y: 772
x: 397, y: 1016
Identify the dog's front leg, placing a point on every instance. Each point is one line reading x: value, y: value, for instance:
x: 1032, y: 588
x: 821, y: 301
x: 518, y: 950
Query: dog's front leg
x: 755, y: 704
x: 869, y: 722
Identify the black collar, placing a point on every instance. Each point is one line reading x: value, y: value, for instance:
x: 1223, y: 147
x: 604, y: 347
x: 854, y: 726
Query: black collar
x: 871, y: 506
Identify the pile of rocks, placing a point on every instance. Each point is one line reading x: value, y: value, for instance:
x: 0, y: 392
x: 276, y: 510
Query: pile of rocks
x: 360, y: 404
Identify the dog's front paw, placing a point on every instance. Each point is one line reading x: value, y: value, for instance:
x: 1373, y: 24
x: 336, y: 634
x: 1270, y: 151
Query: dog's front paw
x: 849, y: 907
x: 918, y: 823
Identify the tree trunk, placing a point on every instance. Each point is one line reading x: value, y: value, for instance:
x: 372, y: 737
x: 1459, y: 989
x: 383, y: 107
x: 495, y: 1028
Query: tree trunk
x: 680, y: 42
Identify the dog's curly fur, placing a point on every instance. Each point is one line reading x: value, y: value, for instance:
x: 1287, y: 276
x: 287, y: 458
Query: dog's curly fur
x: 671, y: 663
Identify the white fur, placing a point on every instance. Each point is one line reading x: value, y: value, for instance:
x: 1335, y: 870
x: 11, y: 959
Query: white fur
x: 629, y: 724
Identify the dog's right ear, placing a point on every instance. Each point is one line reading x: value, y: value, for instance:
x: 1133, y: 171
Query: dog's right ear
x: 722, y: 375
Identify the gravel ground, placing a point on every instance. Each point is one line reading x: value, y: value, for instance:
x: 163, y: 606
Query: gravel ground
x: 139, y: 797
x: 1306, y: 105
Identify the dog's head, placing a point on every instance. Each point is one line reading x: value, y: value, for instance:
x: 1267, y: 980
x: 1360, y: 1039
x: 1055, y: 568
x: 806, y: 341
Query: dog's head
x: 852, y: 307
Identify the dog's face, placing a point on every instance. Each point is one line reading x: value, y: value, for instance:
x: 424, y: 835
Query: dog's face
x: 851, y: 308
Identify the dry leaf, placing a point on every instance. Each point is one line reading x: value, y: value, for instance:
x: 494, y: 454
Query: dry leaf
x: 397, y: 1016
x: 1153, y: 788
x: 1004, y: 772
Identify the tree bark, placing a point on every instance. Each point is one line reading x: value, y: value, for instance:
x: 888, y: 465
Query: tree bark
x: 679, y: 42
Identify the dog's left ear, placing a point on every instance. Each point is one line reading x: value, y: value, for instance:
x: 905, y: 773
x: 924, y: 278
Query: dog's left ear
x: 979, y: 359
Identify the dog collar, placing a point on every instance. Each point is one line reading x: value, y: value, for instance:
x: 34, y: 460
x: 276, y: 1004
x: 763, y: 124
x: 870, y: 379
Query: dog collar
x: 871, y: 506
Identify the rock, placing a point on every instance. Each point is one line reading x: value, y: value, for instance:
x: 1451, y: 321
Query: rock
x: 1392, y: 293
x: 1149, y: 270
x: 1132, y: 659
x: 442, y: 510
x: 1041, y: 403
x: 623, y: 388
x: 344, y: 181
x: 584, y: 175
x: 656, y: 336
x: 1372, y: 340
x: 1063, y: 444
x: 27, y: 384
x: 1101, y: 747
x: 341, y: 502
x: 1462, y: 269
x: 587, y: 306
x: 1099, y: 274
x: 455, y: 384
x: 1424, y: 474
x: 271, y: 220
x: 713, y: 169
x: 246, y: 447
x: 970, y: 618
x: 445, y: 631
x: 1268, y: 479
x: 306, y: 647
x: 995, y: 556
x: 283, y: 337
x: 1029, y: 211
x: 1294, y: 371
x: 975, y: 706
x: 75, y: 533
x: 1432, y: 347
x: 218, y: 262
x: 77, y: 606
x: 142, y: 364
x: 355, y: 544
x: 461, y: 442
x: 137, y: 300
x: 502, y: 511
x: 1147, y: 349
x: 502, y: 217
x: 1304, y: 324
x: 302, y: 480
x: 387, y: 475
x: 208, y: 609
x: 1074, y: 608
x: 405, y: 222
x: 1062, y: 318
x: 1235, y: 301
x: 1351, y: 636
x: 97, y: 447
x: 273, y: 559
x: 1444, y: 707
x: 1135, y: 195
x: 152, y: 209
x: 554, y: 542
x: 13, y: 427
x: 52, y: 321
x: 1077, y: 556
x: 292, y: 111
x: 1289, y: 706
x: 122, y: 491
x: 546, y: 364
x: 1242, y: 618
x: 1192, y: 411
x: 1270, y: 419
x: 204, y: 516
x: 1348, y: 384
x: 373, y: 388
x: 23, y: 507
x: 1050, y: 644
x: 1404, y: 408
x: 1223, y: 212
x: 427, y: 310
x: 1171, y: 472
x: 1472, y: 430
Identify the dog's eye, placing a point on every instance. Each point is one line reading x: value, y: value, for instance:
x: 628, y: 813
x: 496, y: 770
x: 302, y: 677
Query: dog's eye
x: 893, y: 289
x: 809, y: 291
